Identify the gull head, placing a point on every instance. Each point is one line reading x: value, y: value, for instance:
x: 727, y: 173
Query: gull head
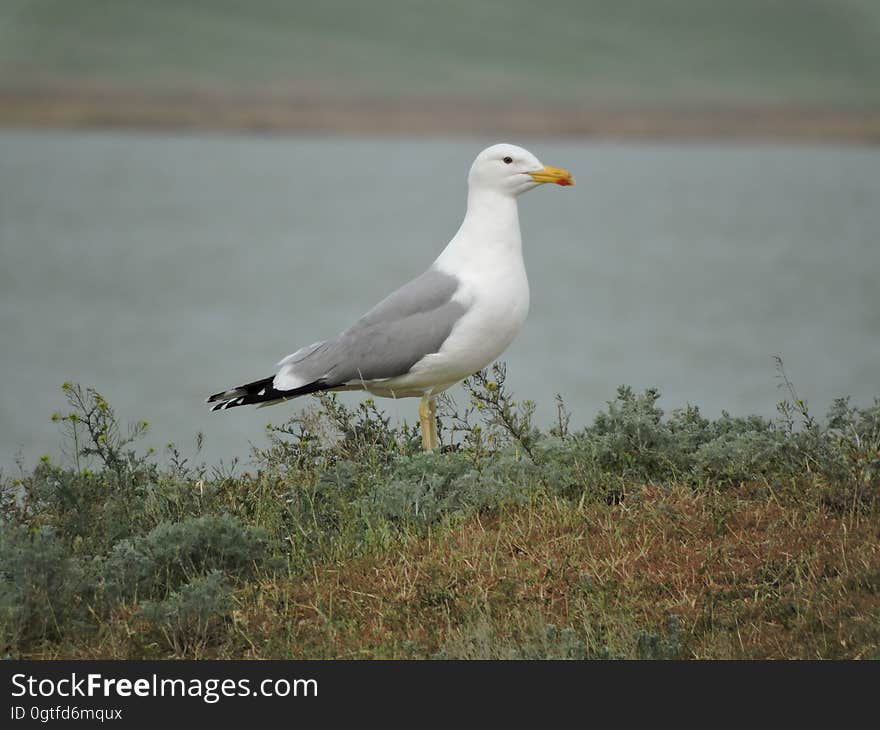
x: 509, y: 169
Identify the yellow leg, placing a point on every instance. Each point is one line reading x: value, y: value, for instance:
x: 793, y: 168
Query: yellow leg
x: 428, y: 420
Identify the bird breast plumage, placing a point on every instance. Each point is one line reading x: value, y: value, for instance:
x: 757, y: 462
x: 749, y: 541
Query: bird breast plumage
x: 497, y: 303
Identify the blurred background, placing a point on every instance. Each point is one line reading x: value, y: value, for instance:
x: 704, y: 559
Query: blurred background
x: 191, y: 190
x: 615, y: 67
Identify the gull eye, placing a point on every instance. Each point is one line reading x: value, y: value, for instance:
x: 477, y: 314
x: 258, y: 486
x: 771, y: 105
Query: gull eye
x: 508, y: 160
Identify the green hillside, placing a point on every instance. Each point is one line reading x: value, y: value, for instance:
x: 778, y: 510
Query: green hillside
x: 783, y: 52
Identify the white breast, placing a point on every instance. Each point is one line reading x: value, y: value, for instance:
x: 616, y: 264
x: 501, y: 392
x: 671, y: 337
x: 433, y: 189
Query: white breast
x: 497, y: 302
x: 495, y: 292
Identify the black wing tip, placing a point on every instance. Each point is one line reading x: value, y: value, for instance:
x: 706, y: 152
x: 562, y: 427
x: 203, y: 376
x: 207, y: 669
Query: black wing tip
x: 260, y: 391
x: 231, y: 403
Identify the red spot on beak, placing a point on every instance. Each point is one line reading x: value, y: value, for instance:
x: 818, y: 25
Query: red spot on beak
x: 563, y: 181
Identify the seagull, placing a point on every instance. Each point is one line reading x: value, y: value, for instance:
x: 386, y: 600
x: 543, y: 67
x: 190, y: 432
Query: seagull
x: 439, y: 328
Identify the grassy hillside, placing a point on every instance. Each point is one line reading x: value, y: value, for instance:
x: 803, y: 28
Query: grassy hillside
x: 752, y: 52
x: 644, y: 535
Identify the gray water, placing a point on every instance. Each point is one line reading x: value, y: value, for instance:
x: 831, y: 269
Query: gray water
x: 160, y: 269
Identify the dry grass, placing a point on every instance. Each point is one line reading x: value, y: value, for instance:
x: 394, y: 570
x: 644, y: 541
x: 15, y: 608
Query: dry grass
x: 743, y: 574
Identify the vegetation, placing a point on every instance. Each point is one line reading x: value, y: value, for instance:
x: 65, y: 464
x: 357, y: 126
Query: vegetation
x: 644, y: 535
x: 680, y: 52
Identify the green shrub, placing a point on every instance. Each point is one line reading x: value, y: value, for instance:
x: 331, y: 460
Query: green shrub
x: 41, y: 586
x: 481, y: 639
x: 173, y: 553
x: 661, y: 645
x: 190, y: 614
x: 630, y: 437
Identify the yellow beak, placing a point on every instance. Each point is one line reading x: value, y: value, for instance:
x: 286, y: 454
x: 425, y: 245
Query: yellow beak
x: 552, y: 175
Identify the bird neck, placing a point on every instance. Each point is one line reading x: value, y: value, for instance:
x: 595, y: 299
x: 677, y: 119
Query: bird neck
x: 490, y: 227
x: 490, y: 211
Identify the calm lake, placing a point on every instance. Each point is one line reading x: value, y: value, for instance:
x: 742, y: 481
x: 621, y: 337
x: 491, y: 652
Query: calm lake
x: 161, y: 268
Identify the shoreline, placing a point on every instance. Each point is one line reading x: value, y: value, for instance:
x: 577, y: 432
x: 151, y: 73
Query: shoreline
x: 274, y: 114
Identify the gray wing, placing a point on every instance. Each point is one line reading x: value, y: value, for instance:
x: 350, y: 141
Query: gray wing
x: 387, y: 341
